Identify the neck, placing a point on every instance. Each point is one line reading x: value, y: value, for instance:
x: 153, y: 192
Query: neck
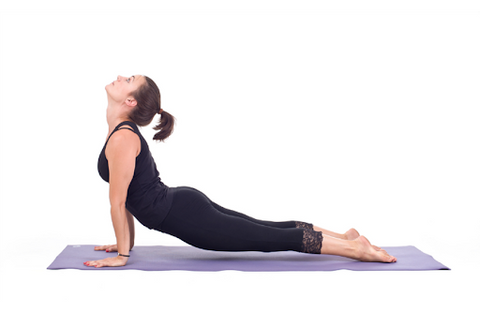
x: 115, y: 115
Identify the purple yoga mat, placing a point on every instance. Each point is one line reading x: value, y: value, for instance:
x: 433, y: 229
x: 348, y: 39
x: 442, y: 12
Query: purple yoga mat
x: 165, y: 258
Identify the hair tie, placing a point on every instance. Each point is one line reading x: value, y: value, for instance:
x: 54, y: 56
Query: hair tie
x: 161, y: 111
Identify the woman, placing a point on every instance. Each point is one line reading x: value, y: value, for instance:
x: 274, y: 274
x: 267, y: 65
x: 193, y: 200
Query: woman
x: 137, y: 191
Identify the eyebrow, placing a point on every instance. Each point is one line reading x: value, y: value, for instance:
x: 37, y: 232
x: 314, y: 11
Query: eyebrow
x: 133, y: 78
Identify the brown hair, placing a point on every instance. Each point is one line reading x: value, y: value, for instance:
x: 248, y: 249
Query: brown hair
x: 148, y: 105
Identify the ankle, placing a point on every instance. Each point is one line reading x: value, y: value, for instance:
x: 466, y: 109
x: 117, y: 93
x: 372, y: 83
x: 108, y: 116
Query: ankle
x: 352, y: 234
x: 354, y: 249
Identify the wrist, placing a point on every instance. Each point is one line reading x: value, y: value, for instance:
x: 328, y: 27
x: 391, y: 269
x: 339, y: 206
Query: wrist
x: 123, y: 257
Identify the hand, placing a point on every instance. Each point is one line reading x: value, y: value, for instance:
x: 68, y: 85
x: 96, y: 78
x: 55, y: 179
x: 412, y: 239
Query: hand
x: 107, y: 248
x: 108, y: 262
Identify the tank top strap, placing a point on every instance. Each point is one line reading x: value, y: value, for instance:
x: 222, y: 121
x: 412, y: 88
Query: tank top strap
x: 123, y: 123
x: 128, y: 123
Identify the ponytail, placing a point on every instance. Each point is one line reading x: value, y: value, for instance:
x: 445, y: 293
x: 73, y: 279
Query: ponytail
x: 148, y: 105
x: 164, y: 127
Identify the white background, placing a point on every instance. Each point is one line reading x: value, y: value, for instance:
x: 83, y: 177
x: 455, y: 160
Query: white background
x: 351, y: 114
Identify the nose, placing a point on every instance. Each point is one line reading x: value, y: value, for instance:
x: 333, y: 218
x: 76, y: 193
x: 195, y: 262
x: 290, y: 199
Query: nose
x: 119, y: 78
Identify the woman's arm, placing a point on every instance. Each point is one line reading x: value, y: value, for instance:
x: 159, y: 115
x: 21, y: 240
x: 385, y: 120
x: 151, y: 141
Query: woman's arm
x: 131, y: 228
x: 121, y: 152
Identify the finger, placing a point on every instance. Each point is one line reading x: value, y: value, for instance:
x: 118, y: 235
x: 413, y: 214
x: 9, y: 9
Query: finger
x: 92, y: 263
x: 107, y: 248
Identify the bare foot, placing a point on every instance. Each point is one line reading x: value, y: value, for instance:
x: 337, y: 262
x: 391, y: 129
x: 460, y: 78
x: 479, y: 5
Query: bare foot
x: 352, y: 234
x: 366, y: 252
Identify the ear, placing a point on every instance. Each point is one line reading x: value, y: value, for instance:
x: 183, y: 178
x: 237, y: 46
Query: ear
x: 131, y: 102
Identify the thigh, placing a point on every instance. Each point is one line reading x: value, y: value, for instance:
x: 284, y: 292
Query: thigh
x: 195, y: 220
x: 276, y: 224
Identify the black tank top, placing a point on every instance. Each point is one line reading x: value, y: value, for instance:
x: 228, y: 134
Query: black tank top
x: 148, y: 199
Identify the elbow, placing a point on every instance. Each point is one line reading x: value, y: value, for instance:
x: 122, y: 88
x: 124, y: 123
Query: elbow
x: 117, y: 210
x: 117, y: 205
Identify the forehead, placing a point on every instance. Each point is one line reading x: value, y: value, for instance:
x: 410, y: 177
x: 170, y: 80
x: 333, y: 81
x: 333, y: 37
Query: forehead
x: 139, y: 79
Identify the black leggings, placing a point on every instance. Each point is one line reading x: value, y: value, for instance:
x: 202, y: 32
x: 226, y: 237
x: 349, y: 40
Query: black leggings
x: 198, y: 221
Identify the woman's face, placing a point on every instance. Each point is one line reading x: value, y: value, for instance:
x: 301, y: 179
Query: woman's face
x: 121, y: 89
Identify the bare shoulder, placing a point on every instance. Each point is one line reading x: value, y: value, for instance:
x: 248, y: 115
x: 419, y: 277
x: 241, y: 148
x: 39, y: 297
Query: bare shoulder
x: 123, y: 141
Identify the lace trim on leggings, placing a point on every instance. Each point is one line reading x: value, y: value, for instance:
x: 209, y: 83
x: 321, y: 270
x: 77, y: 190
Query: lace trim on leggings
x: 303, y: 225
x: 312, y: 242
